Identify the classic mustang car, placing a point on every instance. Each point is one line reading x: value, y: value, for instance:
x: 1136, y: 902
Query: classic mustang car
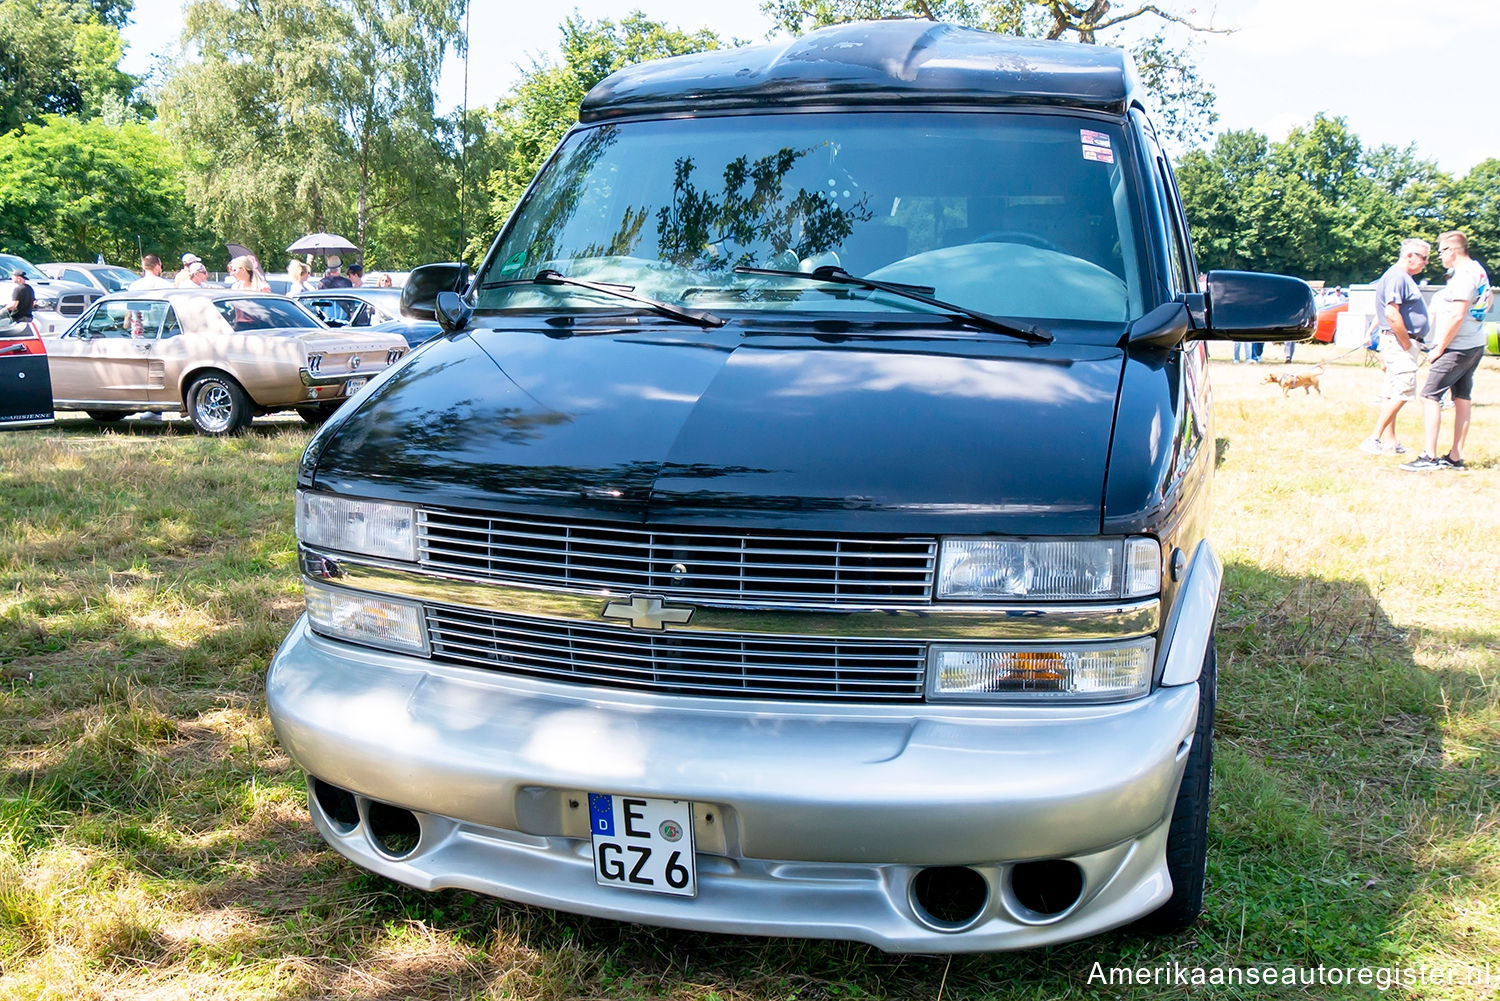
x: 221, y: 356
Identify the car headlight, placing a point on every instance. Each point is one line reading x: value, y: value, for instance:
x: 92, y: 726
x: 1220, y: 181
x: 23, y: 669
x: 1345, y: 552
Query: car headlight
x: 993, y: 569
x: 372, y: 528
x: 365, y: 618
x: 1009, y: 672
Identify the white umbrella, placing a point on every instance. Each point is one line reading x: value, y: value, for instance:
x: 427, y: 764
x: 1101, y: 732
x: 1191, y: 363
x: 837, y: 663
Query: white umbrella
x: 322, y: 243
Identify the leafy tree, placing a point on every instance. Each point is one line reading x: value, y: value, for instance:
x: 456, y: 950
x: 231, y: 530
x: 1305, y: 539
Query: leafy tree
x: 1473, y: 205
x: 71, y: 189
x: 302, y: 115
x: 60, y: 57
x: 1320, y: 205
x: 1186, y: 101
x: 528, y: 125
x: 382, y: 85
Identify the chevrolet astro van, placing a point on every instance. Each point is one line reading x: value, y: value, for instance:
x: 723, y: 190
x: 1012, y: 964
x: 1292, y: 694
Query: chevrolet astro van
x: 800, y: 527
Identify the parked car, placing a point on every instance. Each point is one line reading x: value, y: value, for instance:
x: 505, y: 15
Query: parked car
x: 280, y: 282
x: 1330, y: 304
x: 415, y: 331
x: 354, y: 307
x: 25, y: 398
x: 376, y: 308
x: 58, y: 303
x: 106, y: 278
x: 802, y: 530
x: 221, y: 357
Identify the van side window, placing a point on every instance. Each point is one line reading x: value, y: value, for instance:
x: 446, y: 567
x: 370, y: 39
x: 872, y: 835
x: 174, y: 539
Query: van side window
x: 1182, y: 255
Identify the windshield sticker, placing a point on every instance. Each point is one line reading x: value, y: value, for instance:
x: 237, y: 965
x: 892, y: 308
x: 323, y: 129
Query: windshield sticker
x: 1092, y: 138
x: 1101, y: 155
x: 514, y: 263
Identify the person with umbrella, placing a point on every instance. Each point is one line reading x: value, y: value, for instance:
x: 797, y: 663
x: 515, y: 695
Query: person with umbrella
x: 334, y: 277
x: 329, y: 245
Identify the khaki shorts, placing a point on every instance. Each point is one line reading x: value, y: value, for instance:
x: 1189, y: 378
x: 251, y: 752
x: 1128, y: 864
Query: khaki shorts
x: 1400, y: 367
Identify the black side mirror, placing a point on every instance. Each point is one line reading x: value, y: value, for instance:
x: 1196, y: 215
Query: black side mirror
x: 452, y: 311
x: 1245, y: 306
x: 419, y: 294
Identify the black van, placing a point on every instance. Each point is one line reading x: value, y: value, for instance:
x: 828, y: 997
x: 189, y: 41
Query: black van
x: 800, y: 528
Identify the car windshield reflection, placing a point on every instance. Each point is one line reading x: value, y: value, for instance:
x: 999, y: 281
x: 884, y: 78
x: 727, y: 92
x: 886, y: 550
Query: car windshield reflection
x: 947, y: 201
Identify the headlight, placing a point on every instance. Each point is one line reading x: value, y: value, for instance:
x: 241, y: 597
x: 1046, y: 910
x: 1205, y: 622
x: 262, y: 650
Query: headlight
x: 999, y: 672
x: 372, y: 528
x: 364, y: 618
x: 1052, y: 569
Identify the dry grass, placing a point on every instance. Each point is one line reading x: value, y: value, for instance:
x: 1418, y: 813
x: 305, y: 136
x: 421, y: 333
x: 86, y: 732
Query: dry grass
x: 154, y: 841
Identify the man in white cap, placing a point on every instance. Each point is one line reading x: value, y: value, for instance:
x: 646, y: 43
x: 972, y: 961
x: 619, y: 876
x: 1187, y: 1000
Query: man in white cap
x: 188, y: 260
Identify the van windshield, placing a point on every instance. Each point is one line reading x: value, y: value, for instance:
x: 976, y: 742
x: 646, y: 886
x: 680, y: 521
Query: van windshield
x: 1023, y: 215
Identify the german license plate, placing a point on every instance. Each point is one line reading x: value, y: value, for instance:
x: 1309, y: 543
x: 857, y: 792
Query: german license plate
x: 643, y: 844
x: 352, y: 386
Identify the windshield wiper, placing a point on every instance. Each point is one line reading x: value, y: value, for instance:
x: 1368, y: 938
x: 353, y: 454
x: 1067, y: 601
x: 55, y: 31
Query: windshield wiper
x: 549, y: 277
x: 838, y: 276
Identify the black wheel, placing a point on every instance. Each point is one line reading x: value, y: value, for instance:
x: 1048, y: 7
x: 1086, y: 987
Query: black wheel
x: 106, y: 416
x: 217, y: 405
x: 316, y: 413
x: 1187, y: 838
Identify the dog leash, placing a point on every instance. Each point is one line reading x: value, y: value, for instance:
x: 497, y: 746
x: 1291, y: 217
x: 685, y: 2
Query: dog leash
x: 1346, y: 354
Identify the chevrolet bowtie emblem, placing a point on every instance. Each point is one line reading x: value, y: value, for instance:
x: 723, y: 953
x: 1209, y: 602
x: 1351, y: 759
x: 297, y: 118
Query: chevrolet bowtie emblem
x: 647, y: 611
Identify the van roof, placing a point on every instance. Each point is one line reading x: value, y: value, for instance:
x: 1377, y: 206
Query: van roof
x: 890, y: 63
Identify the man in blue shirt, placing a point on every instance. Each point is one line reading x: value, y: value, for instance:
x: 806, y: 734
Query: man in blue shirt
x: 1401, y: 325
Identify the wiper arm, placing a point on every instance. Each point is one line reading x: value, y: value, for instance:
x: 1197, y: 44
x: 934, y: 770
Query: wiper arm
x: 829, y: 273
x: 549, y: 277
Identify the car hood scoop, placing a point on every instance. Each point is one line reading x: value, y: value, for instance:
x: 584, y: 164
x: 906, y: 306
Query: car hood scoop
x: 902, y: 435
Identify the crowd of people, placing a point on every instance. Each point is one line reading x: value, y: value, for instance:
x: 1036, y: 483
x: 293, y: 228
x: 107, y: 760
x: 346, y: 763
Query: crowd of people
x: 245, y: 273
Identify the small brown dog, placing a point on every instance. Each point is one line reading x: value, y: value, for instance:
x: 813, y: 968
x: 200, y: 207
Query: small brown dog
x: 1289, y: 381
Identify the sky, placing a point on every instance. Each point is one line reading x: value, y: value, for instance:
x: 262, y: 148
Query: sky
x: 1399, y: 72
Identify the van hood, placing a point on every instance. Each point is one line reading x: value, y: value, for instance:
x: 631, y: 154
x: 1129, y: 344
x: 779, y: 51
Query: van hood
x: 870, y: 433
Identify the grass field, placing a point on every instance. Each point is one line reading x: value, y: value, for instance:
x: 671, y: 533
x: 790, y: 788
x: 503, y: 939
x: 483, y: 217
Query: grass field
x: 154, y: 840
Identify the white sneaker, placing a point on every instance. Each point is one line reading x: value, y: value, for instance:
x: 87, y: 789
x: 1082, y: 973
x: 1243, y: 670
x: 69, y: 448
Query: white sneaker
x: 1371, y: 445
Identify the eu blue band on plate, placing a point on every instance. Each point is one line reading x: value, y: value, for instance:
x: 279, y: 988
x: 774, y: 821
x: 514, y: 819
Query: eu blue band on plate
x: 601, y: 814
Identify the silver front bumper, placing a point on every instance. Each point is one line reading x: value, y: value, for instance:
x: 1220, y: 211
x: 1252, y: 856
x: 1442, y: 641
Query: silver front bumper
x: 823, y: 813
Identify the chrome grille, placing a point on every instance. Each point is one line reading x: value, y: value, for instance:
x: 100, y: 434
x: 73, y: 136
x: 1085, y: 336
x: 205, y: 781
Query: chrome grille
x: 74, y: 303
x: 685, y: 663
x: 679, y: 564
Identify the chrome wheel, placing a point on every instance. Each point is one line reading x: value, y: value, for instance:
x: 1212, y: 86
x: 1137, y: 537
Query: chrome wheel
x: 218, y: 406
x: 214, y: 408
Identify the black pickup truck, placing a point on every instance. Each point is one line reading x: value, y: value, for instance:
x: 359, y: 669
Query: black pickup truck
x: 800, y: 527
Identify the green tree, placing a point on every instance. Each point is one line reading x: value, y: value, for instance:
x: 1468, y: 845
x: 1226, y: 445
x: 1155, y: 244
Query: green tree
x: 1185, y: 101
x: 1317, y: 204
x: 1473, y: 205
x: 70, y: 190
x: 60, y: 57
x: 382, y: 84
x: 301, y: 115
x: 528, y: 124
